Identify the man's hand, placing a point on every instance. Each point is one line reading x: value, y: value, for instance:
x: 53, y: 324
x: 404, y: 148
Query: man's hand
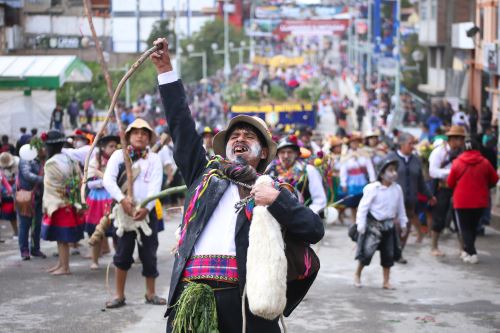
x: 128, y: 206
x: 432, y: 201
x: 264, y: 194
x: 161, y: 58
x: 141, y: 214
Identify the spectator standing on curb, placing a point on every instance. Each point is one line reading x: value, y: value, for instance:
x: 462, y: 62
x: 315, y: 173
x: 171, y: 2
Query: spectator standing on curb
x: 56, y: 120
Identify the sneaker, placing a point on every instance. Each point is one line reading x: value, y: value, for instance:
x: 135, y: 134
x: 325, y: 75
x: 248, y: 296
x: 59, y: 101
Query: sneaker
x: 463, y: 254
x: 471, y: 259
x: 402, y: 261
x: 38, y: 254
x: 25, y: 255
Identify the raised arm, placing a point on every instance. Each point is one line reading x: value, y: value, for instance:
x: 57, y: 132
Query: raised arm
x: 189, y: 154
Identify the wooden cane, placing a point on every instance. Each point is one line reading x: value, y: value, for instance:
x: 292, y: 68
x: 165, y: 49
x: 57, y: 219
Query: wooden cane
x: 112, y: 109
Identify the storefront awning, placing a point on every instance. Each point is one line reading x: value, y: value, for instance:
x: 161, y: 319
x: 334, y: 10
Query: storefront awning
x: 41, y: 72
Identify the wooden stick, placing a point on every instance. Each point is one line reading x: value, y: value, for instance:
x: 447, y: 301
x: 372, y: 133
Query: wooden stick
x: 114, y: 99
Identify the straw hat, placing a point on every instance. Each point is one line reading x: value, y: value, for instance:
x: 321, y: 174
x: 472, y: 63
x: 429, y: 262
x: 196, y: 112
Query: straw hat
x: 355, y: 136
x: 141, y: 123
x: 335, y: 141
x: 6, y: 160
x: 220, y: 139
x: 456, y: 131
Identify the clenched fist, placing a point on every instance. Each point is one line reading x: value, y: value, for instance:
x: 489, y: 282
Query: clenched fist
x: 161, y: 58
x: 264, y: 194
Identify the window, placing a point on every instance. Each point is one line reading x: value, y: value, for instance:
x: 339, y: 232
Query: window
x: 423, y: 10
x: 433, y: 9
x: 432, y: 57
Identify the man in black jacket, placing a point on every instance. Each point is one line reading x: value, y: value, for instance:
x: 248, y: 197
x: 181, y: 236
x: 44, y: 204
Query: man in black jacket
x: 213, y: 242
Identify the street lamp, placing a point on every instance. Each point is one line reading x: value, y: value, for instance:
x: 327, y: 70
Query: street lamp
x: 418, y: 57
x: 203, y: 55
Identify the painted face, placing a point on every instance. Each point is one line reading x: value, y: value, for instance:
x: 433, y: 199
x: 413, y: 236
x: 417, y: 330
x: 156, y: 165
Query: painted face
x: 390, y: 174
x: 287, y: 156
x: 245, y: 144
x: 139, y: 138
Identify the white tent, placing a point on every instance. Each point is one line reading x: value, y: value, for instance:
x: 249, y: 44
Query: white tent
x: 28, y: 86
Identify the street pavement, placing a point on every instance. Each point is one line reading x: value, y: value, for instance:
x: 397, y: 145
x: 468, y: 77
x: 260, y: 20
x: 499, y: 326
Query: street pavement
x: 432, y: 295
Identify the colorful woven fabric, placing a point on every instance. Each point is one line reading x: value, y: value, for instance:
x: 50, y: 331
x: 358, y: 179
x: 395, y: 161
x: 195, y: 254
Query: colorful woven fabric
x: 212, y: 267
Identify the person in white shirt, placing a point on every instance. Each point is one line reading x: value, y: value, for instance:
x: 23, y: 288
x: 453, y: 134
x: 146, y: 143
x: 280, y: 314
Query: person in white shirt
x: 381, y: 206
x: 439, y: 168
x: 147, y: 183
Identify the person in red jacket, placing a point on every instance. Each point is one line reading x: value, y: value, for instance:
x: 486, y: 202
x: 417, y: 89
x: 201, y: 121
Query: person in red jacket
x: 471, y: 177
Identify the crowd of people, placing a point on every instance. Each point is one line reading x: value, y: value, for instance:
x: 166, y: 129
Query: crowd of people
x: 381, y: 184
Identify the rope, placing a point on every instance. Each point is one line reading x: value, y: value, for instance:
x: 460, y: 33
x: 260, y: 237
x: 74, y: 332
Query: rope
x: 110, y: 292
x: 243, y: 312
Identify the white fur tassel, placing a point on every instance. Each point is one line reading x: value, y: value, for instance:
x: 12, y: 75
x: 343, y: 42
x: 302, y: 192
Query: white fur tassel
x: 266, y: 264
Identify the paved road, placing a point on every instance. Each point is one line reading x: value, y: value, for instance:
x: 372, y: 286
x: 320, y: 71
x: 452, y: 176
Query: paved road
x: 433, y: 295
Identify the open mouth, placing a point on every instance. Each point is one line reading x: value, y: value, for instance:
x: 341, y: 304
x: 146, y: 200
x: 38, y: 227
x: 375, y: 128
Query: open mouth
x: 240, y: 149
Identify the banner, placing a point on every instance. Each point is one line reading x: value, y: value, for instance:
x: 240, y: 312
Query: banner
x: 298, y: 12
x: 265, y: 108
x: 313, y: 27
x: 279, y: 61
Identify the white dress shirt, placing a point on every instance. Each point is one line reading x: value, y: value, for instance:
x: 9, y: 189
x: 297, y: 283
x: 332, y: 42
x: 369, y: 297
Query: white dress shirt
x: 318, y: 196
x: 383, y: 203
x: 147, y: 183
x: 166, y: 154
x: 436, y: 159
x: 167, y: 77
x: 78, y: 154
x: 217, y: 238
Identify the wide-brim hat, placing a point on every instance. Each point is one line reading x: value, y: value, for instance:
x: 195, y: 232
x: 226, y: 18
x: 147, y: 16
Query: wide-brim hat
x: 289, y: 141
x: 54, y: 137
x: 6, y: 160
x: 335, y: 141
x: 355, y: 136
x: 456, y: 131
x: 372, y: 134
x: 141, y: 123
x: 385, y: 163
x: 220, y: 138
x: 108, y: 138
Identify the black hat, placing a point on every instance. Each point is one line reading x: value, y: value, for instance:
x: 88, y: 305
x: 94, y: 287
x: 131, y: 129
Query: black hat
x: 54, y: 137
x: 289, y: 141
x: 108, y: 138
x: 388, y: 160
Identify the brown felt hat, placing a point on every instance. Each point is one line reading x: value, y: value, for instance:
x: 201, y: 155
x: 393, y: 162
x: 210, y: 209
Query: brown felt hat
x: 220, y: 139
x: 456, y: 131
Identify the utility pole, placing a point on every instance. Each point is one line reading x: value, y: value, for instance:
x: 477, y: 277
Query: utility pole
x: 177, y: 39
x: 397, y: 113
x: 227, y: 65
x: 138, y: 26
x: 370, y: 46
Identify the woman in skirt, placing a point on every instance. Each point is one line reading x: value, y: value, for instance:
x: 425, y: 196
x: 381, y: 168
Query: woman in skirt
x: 381, y: 206
x: 356, y: 170
x: 98, y: 200
x: 61, y: 201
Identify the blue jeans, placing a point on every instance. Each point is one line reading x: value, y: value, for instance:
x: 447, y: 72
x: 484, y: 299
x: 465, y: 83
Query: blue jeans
x: 25, y: 223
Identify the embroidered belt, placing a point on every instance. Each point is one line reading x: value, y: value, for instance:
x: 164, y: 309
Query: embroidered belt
x: 211, y: 267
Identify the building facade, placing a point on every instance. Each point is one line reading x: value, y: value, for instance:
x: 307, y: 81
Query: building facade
x: 441, y: 31
x: 485, y: 79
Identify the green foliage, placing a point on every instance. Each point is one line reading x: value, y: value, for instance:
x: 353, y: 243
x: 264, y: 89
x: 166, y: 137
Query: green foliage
x: 253, y: 95
x: 196, y: 310
x: 81, y: 91
x: 303, y: 93
x: 161, y: 29
x: 212, y: 32
x: 232, y: 93
x: 278, y: 93
x: 412, y: 78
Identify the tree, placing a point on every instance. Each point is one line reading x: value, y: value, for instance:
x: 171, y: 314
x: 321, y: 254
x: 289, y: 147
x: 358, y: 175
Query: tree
x: 212, y: 32
x: 161, y: 29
